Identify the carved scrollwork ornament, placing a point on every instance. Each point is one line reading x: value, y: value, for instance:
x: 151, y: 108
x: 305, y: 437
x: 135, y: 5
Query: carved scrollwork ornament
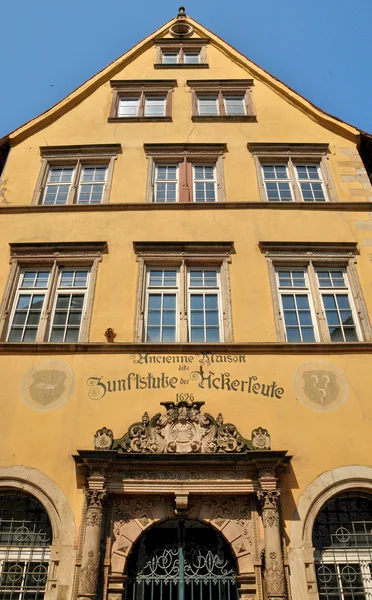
x: 182, y: 429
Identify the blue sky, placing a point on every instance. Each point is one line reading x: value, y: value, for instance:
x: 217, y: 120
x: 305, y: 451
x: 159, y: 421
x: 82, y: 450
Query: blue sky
x: 321, y: 48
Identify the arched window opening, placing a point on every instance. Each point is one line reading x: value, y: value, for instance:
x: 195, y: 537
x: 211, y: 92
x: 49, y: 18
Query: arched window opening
x: 181, y: 560
x: 342, y: 538
x: 25, y: 539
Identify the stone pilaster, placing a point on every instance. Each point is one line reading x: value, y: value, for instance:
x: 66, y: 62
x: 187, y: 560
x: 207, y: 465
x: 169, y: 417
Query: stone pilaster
x: 91, y: 548
x: 274, y: 567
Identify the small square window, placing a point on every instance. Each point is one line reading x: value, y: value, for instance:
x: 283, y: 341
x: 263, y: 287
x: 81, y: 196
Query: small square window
x: 128, y: 107
x: 207, y: 105
x: 154, y: 106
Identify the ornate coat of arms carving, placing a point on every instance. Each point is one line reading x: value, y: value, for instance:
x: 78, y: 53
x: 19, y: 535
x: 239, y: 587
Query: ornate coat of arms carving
x: 182, y: 429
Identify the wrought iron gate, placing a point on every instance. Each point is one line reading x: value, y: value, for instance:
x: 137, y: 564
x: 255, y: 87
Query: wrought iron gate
x: 181, y: 560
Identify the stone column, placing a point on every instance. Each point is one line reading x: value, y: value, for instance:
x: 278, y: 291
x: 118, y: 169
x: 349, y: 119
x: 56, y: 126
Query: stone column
x: 91, y: 548
x: 274, y: 567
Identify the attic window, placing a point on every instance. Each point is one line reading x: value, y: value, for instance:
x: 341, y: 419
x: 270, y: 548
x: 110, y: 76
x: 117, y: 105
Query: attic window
x: 135, y: 101
x: 187, y: 54
x: 226, y: 100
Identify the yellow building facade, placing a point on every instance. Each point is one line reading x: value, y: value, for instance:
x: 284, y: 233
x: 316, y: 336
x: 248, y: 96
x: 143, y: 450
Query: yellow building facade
x: 185, y: 237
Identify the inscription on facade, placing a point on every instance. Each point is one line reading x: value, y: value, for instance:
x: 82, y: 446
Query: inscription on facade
x: 100, y: 386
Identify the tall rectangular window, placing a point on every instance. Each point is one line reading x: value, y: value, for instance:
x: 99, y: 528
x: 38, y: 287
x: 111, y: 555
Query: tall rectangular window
x: 318, y: 298
x: 69, y: 305
x: 337, y: 305
x: 204, y: 308
x: 58, y: 185
x: 296, y: 304
x: 277, y: 182
x: 166, y: 183
x: 310, y: 182
x: 28, y: 305
x: 161, y: 305
x: 184, y: 303
x: 205, y: 184
x: 92, y: 184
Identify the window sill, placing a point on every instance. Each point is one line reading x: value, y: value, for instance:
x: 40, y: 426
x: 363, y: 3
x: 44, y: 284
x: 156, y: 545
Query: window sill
x: 139, y: 119
x: 181, y: 66
x: 225, y: 119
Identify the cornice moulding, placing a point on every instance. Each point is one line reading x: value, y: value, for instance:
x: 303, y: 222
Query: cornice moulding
x: 342, y: 206
x: 267, y: 348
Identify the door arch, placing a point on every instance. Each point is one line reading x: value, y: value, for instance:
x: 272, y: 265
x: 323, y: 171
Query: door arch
x: 181, y: 559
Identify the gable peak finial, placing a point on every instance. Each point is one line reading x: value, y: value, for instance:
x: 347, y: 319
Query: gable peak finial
x: 181, y: 12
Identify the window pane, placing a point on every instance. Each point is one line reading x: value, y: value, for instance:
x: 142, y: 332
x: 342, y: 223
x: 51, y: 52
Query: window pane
x: 169, y: 334
x: 154, y: 301
x: 128, y: 107
x: 154, y: 106
x: 234, y: 105
x: 276, y: 182
x: 170, y: 58
x: 207, y: 105
x: 153, y: 334
x: 191, y: 58
x: 212, y: 334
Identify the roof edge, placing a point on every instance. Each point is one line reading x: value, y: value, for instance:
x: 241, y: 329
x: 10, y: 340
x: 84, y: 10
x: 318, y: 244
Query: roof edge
x: 81, y: 92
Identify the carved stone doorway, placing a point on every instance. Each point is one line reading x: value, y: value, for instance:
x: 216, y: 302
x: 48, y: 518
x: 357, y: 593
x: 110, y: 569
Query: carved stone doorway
x: 181, y: 559
x: 182, y: 464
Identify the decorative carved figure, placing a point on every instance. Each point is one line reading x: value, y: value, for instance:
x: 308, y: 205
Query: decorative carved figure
x: 260, y: 439
x: 182, y: 429
x: 103, y: 439
x: 270, y: 513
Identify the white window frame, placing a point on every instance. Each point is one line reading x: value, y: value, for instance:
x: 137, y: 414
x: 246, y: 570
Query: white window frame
x: 92, y: 183
x: 195, y: 181
x: 194, y: 52
x: 269, y: 180
x: 320, y: 180
x: 208, y: 97
x: 170, y: 51
x: 45, y: 291
x: 122, y: 99
x: 327, y: 256
x: 292, y: 155
x: 150, y: 97
x: 338, y: 290
x: 59, y: 290
x: 157, y: 181
x: 49, y: 184
x: 76, y: 158
x: 242, y: 98
x: 164, y: 290
x: 294, y: 291
x: 205, y: 291
x: 184, y: 256
x: 33, y: 257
